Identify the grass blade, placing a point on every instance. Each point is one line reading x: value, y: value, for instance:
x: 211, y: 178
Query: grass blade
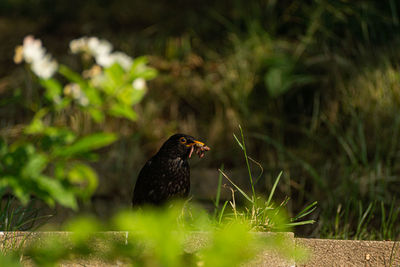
x: 221, y: 214
x: 307, y: 210
x: 271, y: 194
x: 237, y: 140
x: 217, y: 198
x: 237, y: 187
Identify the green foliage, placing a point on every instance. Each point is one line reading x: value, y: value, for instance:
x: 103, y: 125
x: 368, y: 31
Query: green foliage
x: 10, y: 260
x: 49, y: 159
x: 281, y: 76
x: 159, y: 237
x: 353, y: 221
x: 26, y: 165
x: 15, y: 217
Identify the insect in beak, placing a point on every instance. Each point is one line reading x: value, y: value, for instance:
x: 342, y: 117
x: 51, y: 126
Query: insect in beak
x: 198, y: 147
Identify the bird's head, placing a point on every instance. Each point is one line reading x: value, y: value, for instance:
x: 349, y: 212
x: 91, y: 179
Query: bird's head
x: 183, y: 145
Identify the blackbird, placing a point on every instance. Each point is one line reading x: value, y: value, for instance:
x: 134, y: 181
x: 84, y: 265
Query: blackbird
x: 167, y: 174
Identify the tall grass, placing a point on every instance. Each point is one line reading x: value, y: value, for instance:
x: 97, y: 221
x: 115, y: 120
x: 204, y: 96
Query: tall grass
x: 353, y: 220
x: 16, y: 217
x: 263, y: 213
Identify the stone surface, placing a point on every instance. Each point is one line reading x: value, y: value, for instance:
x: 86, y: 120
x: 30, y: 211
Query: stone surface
x: 326, y: 252
x: 322, y: 252
x: 268, y: 256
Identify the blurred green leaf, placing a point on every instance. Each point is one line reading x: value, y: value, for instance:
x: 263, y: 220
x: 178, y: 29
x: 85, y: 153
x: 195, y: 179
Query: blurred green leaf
x: 123, y: 111
x: 72, y: 76
x: 159, y: 230
x: 114, y: 78
x: 96, y: 114
x: 17, y: 187
x: 53, y: 90
x: 129, y: 95
x: 141, y: 70
x: 36, y: 126
x: 281, y: 75
x: 227, y: 246
x: 277, y: 82
x: 147, y: 73
x: 83, y: 228
x: 93, y: 94
x: 3, y: 148
x: 54, y: 137
x: 35, y: 165
x: 57, y: 191
x: 86, y: 144
x: 85, y: 177
x: 10, y: 260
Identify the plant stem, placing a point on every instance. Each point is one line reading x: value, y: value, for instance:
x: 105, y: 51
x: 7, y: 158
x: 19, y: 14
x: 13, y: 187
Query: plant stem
x: 247, y: 164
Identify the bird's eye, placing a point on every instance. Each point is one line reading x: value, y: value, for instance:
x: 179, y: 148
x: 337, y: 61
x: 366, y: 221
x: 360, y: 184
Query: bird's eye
x: 183, y: 140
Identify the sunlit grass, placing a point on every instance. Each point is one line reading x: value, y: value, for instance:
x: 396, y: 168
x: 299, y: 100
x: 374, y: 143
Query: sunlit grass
x: 262, y: 213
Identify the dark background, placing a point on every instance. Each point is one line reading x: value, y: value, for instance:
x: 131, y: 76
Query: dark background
x: 314, y: 84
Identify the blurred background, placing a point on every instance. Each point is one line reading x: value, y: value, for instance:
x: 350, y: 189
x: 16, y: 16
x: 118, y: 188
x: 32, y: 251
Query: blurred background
x: 314, y: 85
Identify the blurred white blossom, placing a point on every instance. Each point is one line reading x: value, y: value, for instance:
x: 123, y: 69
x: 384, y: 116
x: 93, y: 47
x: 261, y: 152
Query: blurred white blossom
x: 78, y: 45
x: 98, y: 80
x: 122, y: 59
x: 92, y: 45
x: 99, y: 47
x: 139, y: 84
x: 74, y: 91
x: 83, y: 101
x: 33, y: 53
x: 32, y: 49
x: 101, y: 51
x: 107, y: 60
x: 44, y: 67
x: 94, y: 71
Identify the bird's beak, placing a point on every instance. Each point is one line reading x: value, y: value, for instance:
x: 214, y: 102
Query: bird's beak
x: 198, y: 147
x: 194, y: 143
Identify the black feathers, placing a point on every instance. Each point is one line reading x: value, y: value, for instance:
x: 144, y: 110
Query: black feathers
x: 167, y: 174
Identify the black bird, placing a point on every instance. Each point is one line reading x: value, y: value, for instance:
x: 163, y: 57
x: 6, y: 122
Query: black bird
x: 167, y: 174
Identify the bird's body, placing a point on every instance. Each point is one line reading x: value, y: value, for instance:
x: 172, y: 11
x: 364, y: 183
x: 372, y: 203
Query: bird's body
x: 167, y: 174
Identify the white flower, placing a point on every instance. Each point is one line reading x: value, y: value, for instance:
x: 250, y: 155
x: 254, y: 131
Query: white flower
x: 44, y: 67
x: 122, y: 59
x: 75, y: 91
x: 101, y: 51
x: 139, y: 84
x: 78, y: 45
x: 83, y: 100
x: 32, y: 49
x: 99, y: 47
x: 92, y: 45
x: 33, y: 53
x: 107, y: 60
x: 98, y: 80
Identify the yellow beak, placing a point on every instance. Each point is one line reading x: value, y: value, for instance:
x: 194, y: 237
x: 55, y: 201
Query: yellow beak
x: 195, y: 142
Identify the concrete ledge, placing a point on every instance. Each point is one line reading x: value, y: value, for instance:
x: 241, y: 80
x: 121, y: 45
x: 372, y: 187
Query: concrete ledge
x: 322, y: 252
x: 267, y: 257
x: 327, y: 252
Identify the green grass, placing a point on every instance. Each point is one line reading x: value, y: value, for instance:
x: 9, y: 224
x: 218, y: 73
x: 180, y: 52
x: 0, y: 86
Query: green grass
x: 16, y: 217
x: 263, y: 213
x: 353, y: 220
